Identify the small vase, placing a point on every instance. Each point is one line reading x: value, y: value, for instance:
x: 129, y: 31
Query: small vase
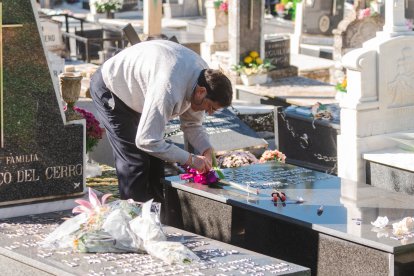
x: 253, y: 79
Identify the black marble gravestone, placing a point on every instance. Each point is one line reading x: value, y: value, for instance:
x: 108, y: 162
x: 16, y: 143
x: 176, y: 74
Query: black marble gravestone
x: 41, y: 157
x: 226, y: 131
x: 277, y: 51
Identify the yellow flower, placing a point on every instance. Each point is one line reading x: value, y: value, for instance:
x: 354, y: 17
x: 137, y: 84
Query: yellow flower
x: 344, y: 83
x: 248, y: 60
x: 254, y: 54
x: 259, y: 61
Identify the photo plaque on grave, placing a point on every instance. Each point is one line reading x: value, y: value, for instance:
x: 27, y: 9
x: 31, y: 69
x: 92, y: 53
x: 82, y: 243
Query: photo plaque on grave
x: 41, y: 155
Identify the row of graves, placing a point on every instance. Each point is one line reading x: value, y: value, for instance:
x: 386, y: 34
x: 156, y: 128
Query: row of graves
x: 42, y: 174
x: 331, y: 224
x: 262, y: 219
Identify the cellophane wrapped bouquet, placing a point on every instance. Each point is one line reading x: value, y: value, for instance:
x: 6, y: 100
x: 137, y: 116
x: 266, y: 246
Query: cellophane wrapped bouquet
x: 119, y: 226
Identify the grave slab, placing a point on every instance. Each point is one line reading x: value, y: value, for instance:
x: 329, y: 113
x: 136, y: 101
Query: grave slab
x: 288, y: 91
x: 226, y: 131
x: 20, y: 252
x: 41, y: 155
x: 330, y: 231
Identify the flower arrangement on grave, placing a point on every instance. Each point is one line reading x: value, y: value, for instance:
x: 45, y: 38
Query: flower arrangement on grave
x: 286, y: 9
x: 252, y: 64
x: 222, y: 5
x: 272, y: 155
x: 206, y: 178
x: 342, y: 85
x: 119, y: 226
x: 106, y: 6
x: 93, y: 129
x: 236, y: 159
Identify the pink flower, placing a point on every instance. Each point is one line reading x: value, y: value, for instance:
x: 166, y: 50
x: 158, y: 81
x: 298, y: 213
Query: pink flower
x: 364, y: 13
x: 270, y: 155
x: 201, y: 178
x: 224, y: 6
x: 94, y: 131
x: 94, y: 205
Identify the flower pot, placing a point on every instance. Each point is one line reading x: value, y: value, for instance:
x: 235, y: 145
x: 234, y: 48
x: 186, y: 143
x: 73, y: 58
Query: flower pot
x: 253, y: 79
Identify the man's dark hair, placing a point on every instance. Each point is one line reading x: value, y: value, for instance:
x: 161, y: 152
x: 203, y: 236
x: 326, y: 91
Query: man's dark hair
x: 218, y: 86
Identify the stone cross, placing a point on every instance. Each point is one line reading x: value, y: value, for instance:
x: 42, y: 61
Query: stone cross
x: 152, y: 17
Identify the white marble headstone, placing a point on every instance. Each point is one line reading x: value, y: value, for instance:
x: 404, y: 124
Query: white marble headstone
x: 380, y: 97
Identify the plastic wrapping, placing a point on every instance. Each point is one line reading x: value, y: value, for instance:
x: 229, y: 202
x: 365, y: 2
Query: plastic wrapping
x: 121, y: 226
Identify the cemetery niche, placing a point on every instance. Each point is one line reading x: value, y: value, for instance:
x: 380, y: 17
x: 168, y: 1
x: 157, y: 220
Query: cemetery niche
x: 41, y: 154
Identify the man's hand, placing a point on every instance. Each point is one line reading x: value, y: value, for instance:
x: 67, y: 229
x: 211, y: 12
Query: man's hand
x: 201, y: 163
x: 208, y: 153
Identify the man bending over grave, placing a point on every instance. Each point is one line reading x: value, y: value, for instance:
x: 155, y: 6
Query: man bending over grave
x: 137, y: 92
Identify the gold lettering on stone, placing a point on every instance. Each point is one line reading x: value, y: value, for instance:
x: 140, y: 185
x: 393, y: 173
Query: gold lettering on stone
x: 58, y: 172
x: 27, y: 176
x: 5, y: 178
x: 27, y: 158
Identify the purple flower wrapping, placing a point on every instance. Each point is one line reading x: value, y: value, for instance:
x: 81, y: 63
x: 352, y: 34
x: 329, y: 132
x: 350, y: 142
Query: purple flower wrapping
x: 201, y: 178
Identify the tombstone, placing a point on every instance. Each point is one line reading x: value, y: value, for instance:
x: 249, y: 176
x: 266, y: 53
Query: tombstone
x: 52, y: 35
x: 245, y: 28
x: 180, y: 8
x: 351, y: 33
x: 380, y: 98
x: 216, y: 33
x: 277, y: 50
x: 42, y: 155
x: 226, y: 131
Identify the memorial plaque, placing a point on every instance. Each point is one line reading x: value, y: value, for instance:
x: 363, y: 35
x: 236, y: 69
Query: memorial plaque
x: 277, y: 50
x: 41, y: 157
x: 226, y: 131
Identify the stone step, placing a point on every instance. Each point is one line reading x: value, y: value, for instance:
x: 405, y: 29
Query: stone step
x: 317, y: 40
x: 319, y: 51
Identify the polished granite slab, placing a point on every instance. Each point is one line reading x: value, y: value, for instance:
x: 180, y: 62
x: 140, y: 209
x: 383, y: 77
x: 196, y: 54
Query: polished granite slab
x: 348, y: 208
x: 21, y: 254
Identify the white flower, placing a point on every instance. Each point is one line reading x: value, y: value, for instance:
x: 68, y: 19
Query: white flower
x: 108, y: 5
x: 381, y: 222
x: 403, y: 227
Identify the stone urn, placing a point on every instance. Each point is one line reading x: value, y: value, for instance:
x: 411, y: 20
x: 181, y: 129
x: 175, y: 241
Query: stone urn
x: 70, y: 87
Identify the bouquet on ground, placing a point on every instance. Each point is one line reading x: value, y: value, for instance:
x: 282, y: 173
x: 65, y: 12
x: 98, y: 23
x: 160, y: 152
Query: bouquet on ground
x: 272, y: 155
x: 252, y: 64
x: 93, y: 129
x: 120, y: 226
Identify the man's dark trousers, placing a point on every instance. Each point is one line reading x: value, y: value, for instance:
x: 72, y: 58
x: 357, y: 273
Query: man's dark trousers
x: 138, y: 173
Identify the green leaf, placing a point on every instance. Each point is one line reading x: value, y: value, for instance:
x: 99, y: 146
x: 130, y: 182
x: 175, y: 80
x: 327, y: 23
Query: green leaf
x: 215, y: 166
x: 219, y: 172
